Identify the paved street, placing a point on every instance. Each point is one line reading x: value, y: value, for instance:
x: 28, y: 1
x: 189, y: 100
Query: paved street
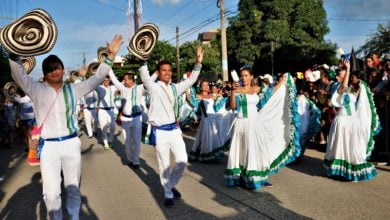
x: 112, y: 190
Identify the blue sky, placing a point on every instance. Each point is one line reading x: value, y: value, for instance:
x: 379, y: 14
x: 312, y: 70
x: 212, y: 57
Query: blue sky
x: 85, y: 25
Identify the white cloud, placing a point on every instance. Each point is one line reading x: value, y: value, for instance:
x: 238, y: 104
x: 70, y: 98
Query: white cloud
x: 164, y: 2
x: 358, y: 9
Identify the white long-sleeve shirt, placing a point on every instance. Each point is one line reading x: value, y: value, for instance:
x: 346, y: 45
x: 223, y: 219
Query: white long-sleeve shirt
x: 108, y: 98
x: 61, y: 121
x: 26, y: 107
x: 92, y: 98
x: 131, y: 97
x: 161, y: 107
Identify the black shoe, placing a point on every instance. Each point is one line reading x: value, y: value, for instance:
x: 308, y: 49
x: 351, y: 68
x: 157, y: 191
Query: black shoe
x: 169, y: 203
x: 176, y: 193
x: 134, y: 166
x: 267, y: 184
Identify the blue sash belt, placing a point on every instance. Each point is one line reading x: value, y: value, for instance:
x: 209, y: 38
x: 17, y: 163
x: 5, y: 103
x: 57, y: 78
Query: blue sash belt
x: 42, y: 141
x: 108, y: 109
x: 133, y: 115
x: 167, y: 127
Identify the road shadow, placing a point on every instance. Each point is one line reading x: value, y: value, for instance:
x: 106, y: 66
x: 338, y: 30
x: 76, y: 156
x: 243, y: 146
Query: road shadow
x: 10, y: 158
x: 263, y: 204
x: 309, y: 165
x: 27, y: 203
x: 151, y: 178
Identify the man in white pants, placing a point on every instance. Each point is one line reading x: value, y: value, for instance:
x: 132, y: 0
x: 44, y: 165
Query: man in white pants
x: 166, y: 134
x: 131, y: 117
x: 106, y: 112
x: 54, y: 107
x: 90, y: 114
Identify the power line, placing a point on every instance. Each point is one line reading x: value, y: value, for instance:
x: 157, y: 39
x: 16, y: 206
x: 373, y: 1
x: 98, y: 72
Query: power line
x: 176, y: 12
x: 357, y: 20
x: 189, y: 17
x: 201, y: 25
x: 110, y: 6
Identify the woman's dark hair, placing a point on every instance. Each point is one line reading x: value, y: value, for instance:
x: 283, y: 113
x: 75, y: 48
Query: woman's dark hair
x: 51, y: 63
x: 247, y: 69
x: 356, y: 73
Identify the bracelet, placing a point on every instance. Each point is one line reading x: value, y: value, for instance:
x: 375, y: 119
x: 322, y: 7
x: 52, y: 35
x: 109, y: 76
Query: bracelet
x: 197, y: 67
x: 108, y: 61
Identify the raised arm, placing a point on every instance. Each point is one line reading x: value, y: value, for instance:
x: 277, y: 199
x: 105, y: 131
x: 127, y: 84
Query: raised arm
x: 183, y: 86
x: 147, y: 81
x: 26, y: 83
x: 115, y: 81
x: 88, y: 85
x: 344, y: 84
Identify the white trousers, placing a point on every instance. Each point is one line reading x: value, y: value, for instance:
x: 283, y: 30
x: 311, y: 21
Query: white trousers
x: 107, y: 125
x: 90, y: 116
x: 166, y: 142
x: 132, y: 134
x: 66, y: 156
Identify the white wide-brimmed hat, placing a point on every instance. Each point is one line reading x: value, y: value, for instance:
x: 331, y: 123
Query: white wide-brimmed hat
x: 33, y: 34
x: 10, y: 89
x: 144, y: 40
x: 28, y: 64
x: 267, y: 76
x: 102, y: 54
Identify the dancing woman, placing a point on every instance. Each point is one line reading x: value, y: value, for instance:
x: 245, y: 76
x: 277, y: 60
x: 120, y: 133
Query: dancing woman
x: 350, y: 140
x: 262, y: 141
x: 207, y: 145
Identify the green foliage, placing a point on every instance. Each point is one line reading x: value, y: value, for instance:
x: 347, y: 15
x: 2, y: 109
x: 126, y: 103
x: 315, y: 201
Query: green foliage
x: 165, y: 51
x: 162, y: 51
x: 296, y: 28
x: 379, y: 42
x: 212, y: 56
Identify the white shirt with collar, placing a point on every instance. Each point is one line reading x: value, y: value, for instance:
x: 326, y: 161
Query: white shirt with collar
x: 61, y: 121
x: 161, y: 107
x: 129, y: 95
x: 107, y: 99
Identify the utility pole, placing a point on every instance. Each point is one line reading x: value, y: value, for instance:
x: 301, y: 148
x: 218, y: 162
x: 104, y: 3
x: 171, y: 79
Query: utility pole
x: 84, y: 59
x: 221, y: 5
x: 177, y: 55
x: 136, y: 15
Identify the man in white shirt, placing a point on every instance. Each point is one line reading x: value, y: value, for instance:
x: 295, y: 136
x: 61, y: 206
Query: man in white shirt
x: 54, y: 106
x: 163, y: 112
x: 131, y: 117
x: 106, y: 115
x: 90, y: 113
x: 27, y: 121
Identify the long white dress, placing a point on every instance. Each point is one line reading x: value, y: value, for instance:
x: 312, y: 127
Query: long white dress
x: 263, y: 141
x: 310, y: 116
x: 207, y: 145
x: 225, y: 118
x: 350, y: 140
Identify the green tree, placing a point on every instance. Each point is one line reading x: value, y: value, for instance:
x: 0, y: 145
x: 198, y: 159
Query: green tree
x: 212, y: 56
x: 379, y: 42
x: 162, y: 51
x: 296, y: 29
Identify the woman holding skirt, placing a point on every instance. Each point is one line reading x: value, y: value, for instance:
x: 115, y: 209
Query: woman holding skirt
x: 207, y: 145
x: 262, y: 141
x: 350, y: 140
